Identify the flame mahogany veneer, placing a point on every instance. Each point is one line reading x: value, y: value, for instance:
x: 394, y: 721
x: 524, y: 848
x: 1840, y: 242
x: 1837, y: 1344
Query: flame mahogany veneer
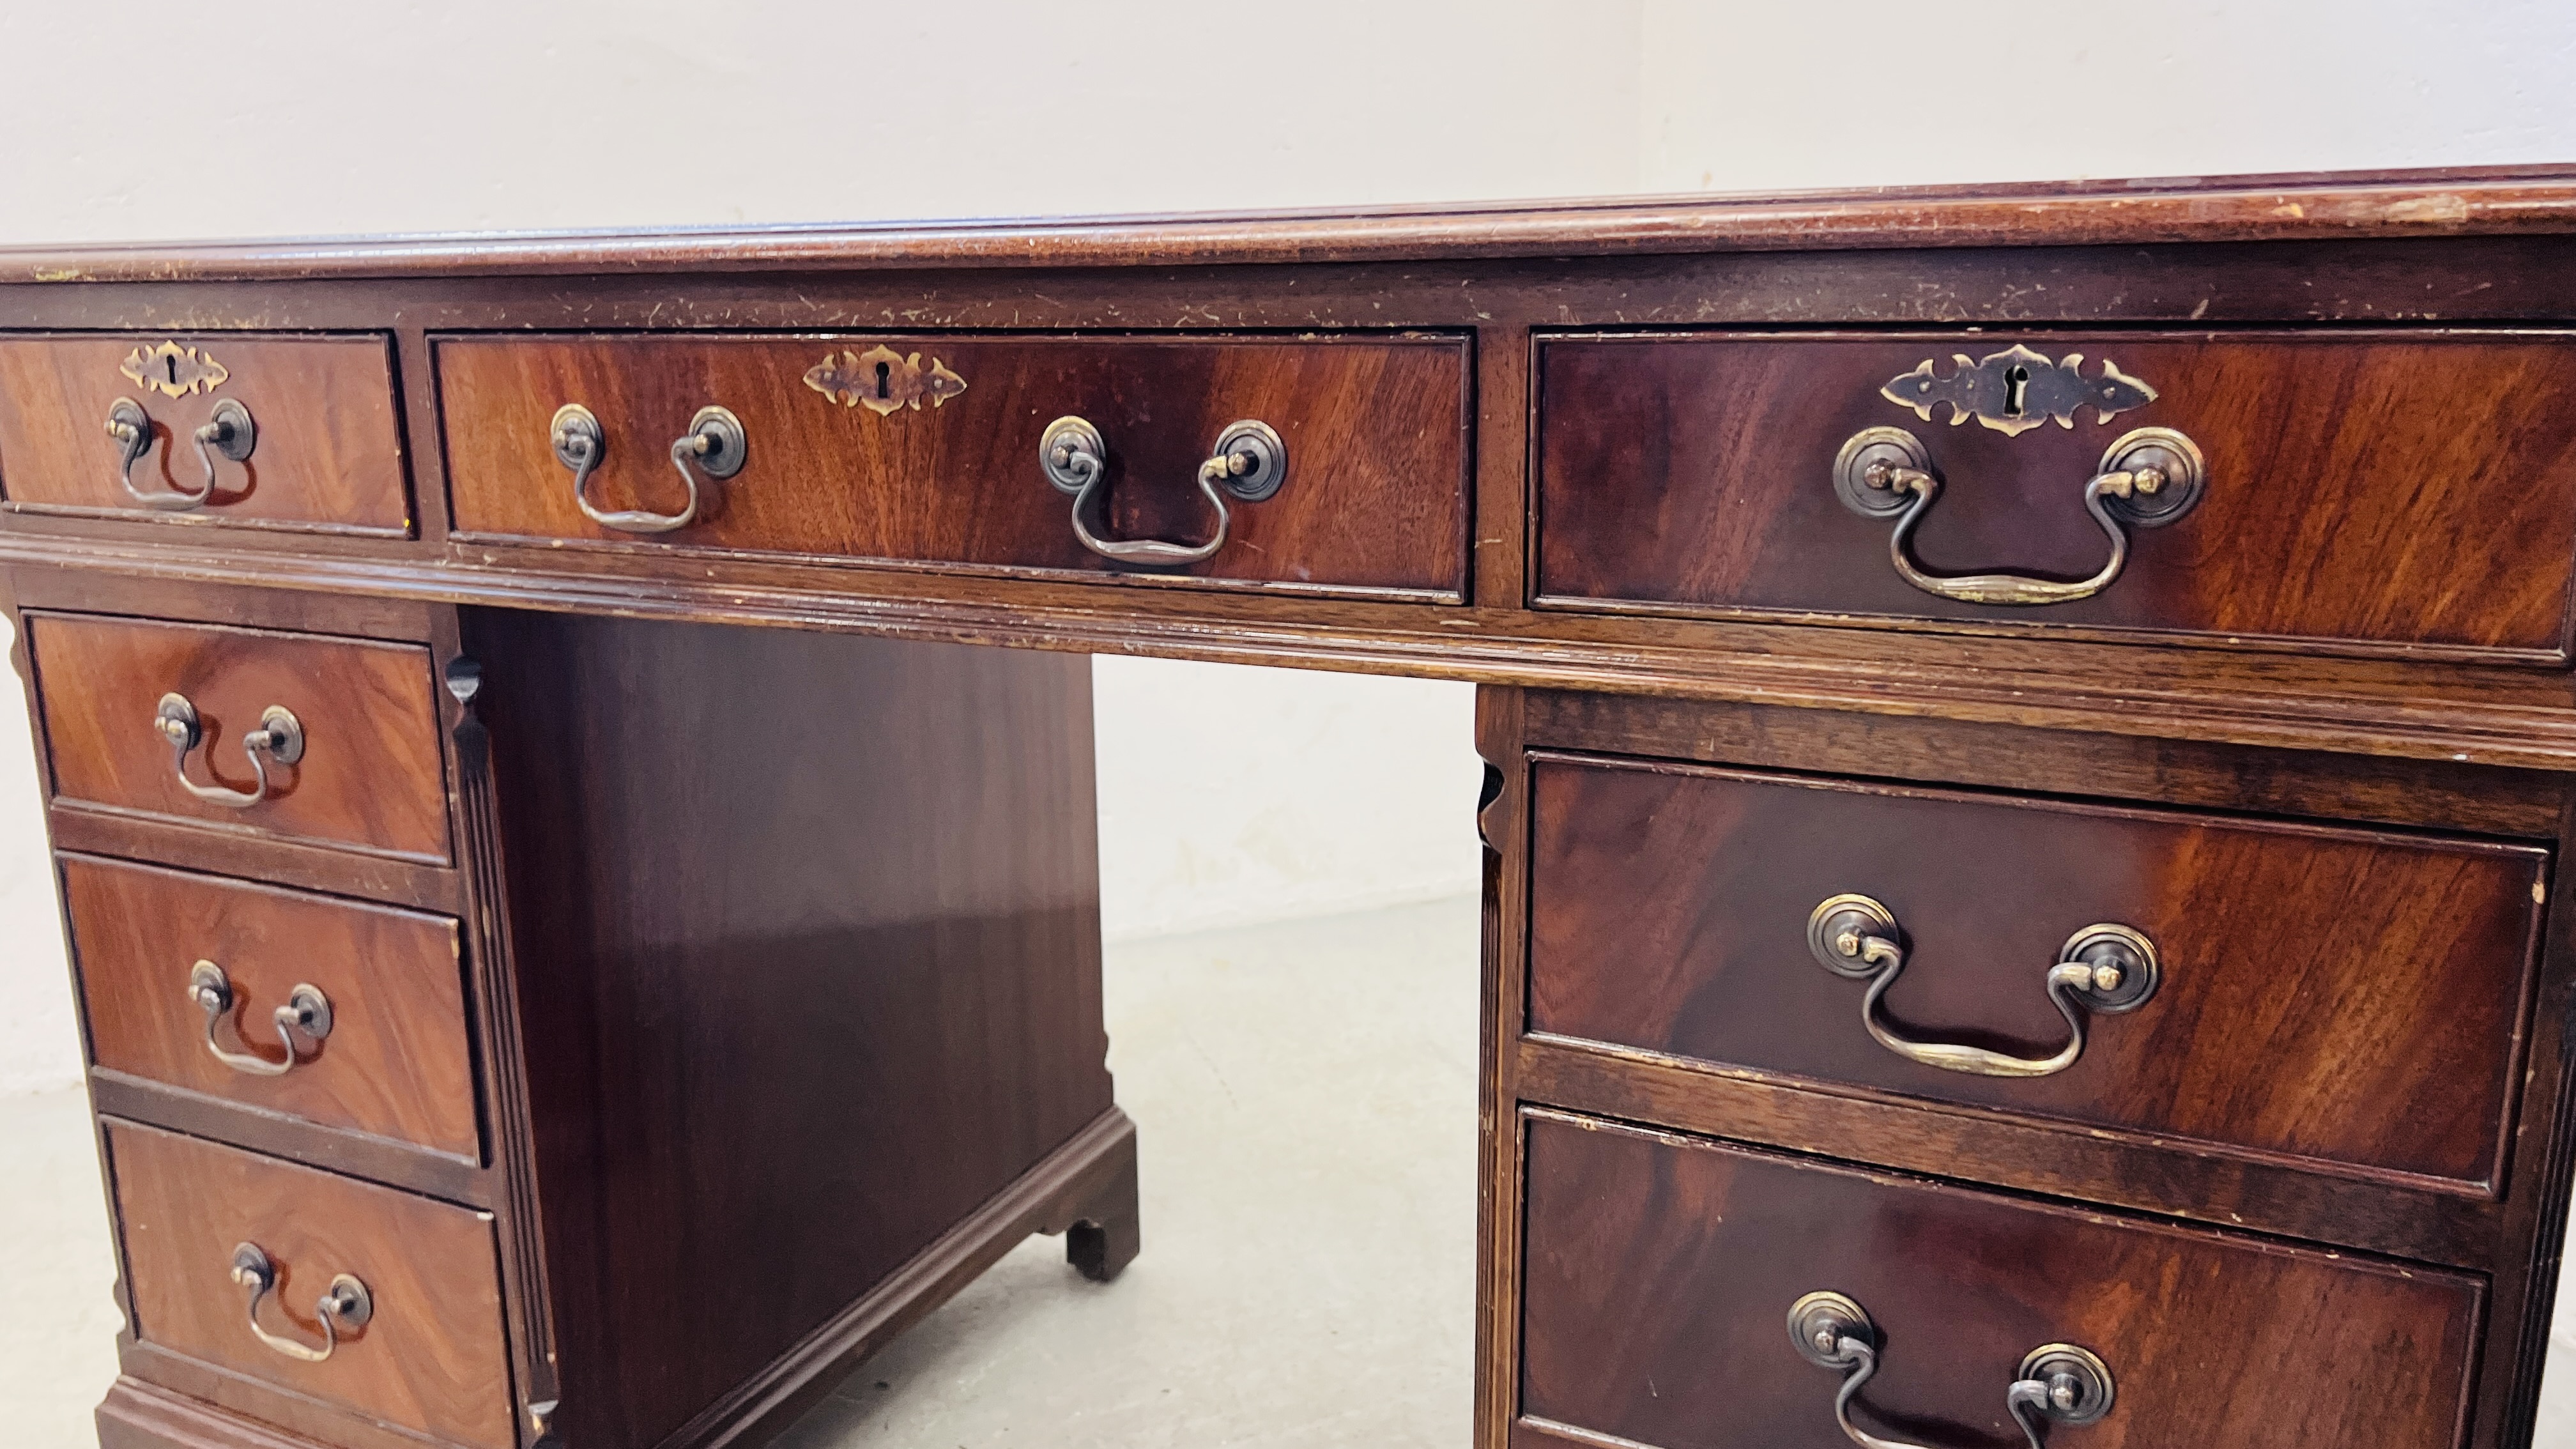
x: 712, y: 938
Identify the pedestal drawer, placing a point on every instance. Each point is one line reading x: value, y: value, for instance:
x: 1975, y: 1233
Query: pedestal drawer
x: 354, y: 761
x: 928, y: 451
x: 224, y: 427
x: 2278, y: 984
x: 213, y: 985
x: 2404, y: 493
x: 426, y: 1352
x: 1661, y: 1272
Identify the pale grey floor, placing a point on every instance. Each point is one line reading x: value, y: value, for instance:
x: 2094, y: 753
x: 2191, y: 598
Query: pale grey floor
x: 1305, y: 1093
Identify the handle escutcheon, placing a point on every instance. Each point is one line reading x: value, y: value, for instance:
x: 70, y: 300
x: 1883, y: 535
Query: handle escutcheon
x: 307, y: 1013
x: 280, y: 737
x: 714, y: 445
x: 2057, y: 1383
x: 1250, y: 462
x: 2102, y: 970
x: 2148, y: 478
x: 345, y: 1307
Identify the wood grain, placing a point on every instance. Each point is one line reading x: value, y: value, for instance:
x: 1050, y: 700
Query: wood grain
x: 807, y: 933
x: 396, y: 1063
x: 1661, y: 1271
x: 372, y: 775
x: 431, y: 1359
x: 2368, y: 491
x: 2311, y: 976
x: 328, y: 456
x: 1375, y: 497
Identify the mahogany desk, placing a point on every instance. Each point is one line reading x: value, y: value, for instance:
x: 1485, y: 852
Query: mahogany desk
x: 576, y: 948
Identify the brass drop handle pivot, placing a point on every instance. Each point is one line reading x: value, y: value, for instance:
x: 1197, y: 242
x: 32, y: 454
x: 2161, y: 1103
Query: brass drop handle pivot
x: 280, y: 737
x: 2058, y: 1383
x: 715, y: 445
x: 307, y: 1013
x: 2147, y: 478
x: 230, y: 432
x: 344, y: 1307
x: 1249, y: 462
x: 2102, y: 969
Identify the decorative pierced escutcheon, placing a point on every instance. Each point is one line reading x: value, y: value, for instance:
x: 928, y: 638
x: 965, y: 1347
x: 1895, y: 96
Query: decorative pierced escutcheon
x: 883, y: 380
x: 173, y: 370
x: 2058, y: 1383
x: 2015, y: 390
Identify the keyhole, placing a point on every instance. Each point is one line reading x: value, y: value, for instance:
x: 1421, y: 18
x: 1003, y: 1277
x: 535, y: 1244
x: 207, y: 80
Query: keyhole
x: 885, y: 372
x: 173, y: 364
x: 2016, y: 381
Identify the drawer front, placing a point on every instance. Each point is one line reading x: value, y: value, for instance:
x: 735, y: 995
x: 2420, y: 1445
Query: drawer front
x: 322, y: 449
x: 2380, y: 492
x: 945, y: 470
x: 429, y: 1356
x: 1659, y: 1274
x: 369, y: 772
x: 390, y: 1056
x: 2306, y: 976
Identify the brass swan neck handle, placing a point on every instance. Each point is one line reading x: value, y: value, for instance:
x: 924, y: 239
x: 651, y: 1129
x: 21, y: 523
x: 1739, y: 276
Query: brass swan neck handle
x: 307, y: 1013
x: 230, y: 432
x: 343, y: 1307
x: 280, y: 737
x: 2102, y: 969
x: 1249, y: 463
x: 2058, y: 1383
x: 2147, y: 478
x: 715, y: 445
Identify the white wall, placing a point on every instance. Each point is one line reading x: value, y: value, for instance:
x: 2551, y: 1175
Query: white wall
x: 1295, y: 793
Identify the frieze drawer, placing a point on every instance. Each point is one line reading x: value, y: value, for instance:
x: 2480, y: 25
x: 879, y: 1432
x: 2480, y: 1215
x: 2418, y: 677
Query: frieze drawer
x: 1330, y: 464
x: 2375, y: 492
x: 225, y: 427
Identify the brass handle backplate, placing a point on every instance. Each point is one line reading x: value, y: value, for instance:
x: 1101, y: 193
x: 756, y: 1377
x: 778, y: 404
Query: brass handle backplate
x: 1249, y: 462
x: 230, y: 432
x: 306, y: 1014
x: 2058, y: 1383
x: 2147, y: 479
x: 344, y: 1307
x: 2103, y: 969
x: 715, y: 445
x: 280, y: 737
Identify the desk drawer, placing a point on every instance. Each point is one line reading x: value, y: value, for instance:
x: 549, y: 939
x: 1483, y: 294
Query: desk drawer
x: 386, y: 1056
x: 2378, y: 493
x: 429, y: 1355
x: 925, y: 450
x: 367, y: 770
x: 2306, y: 977
x: 322, y: 448
x: 1660, y: 1273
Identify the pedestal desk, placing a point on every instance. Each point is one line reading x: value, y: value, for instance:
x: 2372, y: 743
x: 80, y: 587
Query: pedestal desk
x: 2028, y: 732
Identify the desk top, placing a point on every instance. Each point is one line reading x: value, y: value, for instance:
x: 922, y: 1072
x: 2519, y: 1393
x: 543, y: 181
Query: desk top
x: 2377, y: 359
x: 2311, y: 206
